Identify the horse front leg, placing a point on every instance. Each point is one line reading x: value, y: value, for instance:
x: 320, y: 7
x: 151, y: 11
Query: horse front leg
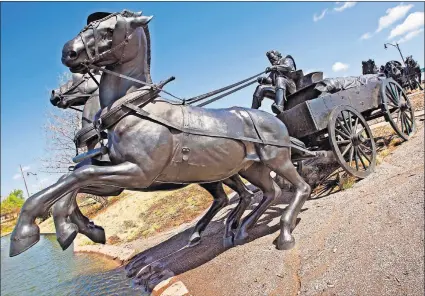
x: 27, y: 233
x: 69, y: 221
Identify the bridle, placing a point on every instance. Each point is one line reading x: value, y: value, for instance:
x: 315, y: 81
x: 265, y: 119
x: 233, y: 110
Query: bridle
x: 93, y: 25
x: 64, y: 96
x: 89, y: 62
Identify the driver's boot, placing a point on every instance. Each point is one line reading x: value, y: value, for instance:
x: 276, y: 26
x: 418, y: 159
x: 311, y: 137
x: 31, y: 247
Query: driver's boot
x: 277, y: 106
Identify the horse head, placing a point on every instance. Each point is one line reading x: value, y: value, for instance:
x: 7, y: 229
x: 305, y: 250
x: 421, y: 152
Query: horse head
x: 75, y: 91
x: 108, y: 39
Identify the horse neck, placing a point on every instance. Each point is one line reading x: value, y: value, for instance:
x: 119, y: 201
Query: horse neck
x: 113, y: 88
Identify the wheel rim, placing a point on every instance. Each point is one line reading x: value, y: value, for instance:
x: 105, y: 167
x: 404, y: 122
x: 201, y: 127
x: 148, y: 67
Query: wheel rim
x: 352, y: 141
x: 398, y: 109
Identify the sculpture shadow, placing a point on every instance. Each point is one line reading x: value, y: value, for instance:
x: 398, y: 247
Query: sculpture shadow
x: 173, y: 256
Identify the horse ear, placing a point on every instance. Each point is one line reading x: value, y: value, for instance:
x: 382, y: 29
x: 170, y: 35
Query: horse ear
x: 97, y: 16
x: 140, y: 21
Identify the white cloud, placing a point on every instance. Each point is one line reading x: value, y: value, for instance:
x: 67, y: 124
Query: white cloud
x: 26, y: 168
x: 366, y: 36
x: 17, y: 176
x: 411, y: 35
x: 319, y: 17
x: 393, y: 14
x: 413, y: 22
x: 344, y: 6
x: 338, y: 67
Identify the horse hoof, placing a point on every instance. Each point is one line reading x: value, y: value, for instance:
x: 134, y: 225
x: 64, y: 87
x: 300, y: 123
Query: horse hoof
x: 285, y: 244
x: 240, y: 238
x: 95, y: 233
x: 228, y: 242
x: 19, y: 244
x: 67, y: 236
x: 194, y: 240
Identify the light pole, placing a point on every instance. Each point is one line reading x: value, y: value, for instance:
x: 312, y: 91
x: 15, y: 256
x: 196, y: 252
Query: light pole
x: 25, y: 182
x: 34, y: 174
x: 396, y: 46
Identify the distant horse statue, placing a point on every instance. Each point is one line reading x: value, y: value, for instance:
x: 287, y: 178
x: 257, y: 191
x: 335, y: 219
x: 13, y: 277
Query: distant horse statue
x: 413, y: 71
x: 369, y: 67
x: 164, y: 142
x: 68, y: 219
x: 394, y: 70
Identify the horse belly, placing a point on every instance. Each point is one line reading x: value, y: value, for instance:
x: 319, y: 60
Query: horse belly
x: 198, y: 159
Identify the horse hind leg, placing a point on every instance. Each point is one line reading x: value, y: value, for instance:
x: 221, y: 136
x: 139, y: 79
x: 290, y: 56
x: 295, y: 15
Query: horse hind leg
x: 220, y: 201
x: 259, y: 175
x: 233, y: 220
x: 284, y: 167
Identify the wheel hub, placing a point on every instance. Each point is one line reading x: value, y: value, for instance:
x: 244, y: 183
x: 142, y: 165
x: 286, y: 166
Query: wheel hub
x: 357, y: 139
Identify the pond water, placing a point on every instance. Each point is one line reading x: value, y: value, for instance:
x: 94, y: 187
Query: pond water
x: 45, y: 269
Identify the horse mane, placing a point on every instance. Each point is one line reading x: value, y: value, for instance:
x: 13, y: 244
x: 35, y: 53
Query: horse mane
x: 148, y: 39
x: 128, y: 13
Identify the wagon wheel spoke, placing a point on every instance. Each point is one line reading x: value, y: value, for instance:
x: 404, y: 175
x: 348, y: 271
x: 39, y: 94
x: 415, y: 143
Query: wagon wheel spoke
x: 356, y: 122
x: 350, y: 123
x: 343, y: 142
x: 346, y: 149
x: 407, y: 114
x: 342, y: 134
x: 361, y: 159
x: 364, y: 154
x: 351, y: 155
x: 355, y: 158
x: 403, y: 126
x: 343, y: 126
x: 365, y: 147
x: 407, y: 123
x: 394, y: 92
x: 398, y: 116
x: 346, y: 123
x: 391, y: 99
x: 390, y: 95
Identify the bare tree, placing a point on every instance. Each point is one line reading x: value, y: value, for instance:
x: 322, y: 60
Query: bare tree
x: 60, y: 129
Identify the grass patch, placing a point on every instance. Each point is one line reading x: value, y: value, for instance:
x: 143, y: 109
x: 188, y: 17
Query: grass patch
x: 177, y: 207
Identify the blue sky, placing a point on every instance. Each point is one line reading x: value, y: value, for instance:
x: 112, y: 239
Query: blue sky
x: 205, y: 45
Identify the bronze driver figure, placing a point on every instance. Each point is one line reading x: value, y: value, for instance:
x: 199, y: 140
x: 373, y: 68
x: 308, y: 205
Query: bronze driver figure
x: 278, y: 84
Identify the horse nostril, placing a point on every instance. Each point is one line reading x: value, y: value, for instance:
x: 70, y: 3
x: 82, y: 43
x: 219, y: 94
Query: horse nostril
x: 72, y: 55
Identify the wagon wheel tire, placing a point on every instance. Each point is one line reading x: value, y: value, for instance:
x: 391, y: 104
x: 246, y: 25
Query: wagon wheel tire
x: 352, y: 141
x: 398, y: 110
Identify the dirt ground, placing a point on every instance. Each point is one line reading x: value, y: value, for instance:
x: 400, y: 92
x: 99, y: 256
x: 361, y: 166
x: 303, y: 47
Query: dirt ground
x: 367, y: 240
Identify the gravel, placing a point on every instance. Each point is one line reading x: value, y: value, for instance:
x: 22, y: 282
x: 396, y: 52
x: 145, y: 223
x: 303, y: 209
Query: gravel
x: 367, y: 240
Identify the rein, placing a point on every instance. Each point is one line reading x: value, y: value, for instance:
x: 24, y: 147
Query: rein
x: 69, y: 98
x: 89, y: 64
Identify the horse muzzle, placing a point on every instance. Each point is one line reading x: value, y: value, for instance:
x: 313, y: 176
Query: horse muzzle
x: 55, y: 99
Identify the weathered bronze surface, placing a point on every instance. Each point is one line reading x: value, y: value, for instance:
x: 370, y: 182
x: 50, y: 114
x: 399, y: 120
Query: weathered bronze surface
x: 141, y: 149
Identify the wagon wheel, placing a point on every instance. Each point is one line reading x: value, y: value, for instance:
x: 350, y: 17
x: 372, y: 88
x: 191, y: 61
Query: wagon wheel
x: 352, y: 141
x: 398, y: 109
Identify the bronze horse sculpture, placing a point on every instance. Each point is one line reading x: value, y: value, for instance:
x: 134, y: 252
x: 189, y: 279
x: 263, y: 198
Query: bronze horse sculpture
x: 413, y: 70
x: 369, y: 67
x: 82, y: 89
x: 164, y: 142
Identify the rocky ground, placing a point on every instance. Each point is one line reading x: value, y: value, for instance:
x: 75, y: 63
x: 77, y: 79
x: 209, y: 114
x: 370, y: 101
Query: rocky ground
x: 367, y: 240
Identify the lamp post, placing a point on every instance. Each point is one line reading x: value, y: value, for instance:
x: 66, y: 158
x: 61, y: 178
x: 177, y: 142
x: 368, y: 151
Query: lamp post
x: 396, y: 46
x: 25, y: 182
x: 34, y: 174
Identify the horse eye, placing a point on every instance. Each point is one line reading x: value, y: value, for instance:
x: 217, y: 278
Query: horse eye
x: 110, y: 31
